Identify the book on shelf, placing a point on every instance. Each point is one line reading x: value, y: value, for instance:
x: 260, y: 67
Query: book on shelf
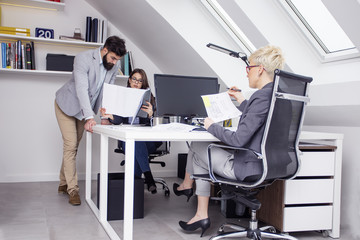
x: 23, y: 57
x: 15, y: 29
x: 33, y: 66
x: 96, y: 30
x: 26, y: 34
x: 131, y: 63
x: 17, y: 55
x: 99, y: 32
x: 104, y: 30
x: 126, y: 63
x: 68, y: 38
x: 125, y: 101
x: 3, y: 55
x: 28, y: 56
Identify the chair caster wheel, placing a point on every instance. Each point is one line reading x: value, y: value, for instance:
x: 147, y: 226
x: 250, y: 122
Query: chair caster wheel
x: 221, y: 230
x: 167, y: 193
x: 325, y: 233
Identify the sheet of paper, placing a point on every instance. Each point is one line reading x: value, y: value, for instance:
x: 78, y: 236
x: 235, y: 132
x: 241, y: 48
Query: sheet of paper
x: 219, y: 107
x: 177, y: 127
x: 122, y: 101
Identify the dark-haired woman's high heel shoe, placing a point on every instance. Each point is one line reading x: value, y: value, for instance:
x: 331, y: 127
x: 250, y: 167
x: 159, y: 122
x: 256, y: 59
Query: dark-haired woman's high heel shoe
x: 203, y: 224
x: 187, y: 192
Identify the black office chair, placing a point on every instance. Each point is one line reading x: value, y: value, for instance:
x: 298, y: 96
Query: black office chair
x: 280, y: 154
x: 161, y: 150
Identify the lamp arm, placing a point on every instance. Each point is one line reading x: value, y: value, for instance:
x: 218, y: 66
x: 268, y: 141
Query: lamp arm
x: 240, y: 55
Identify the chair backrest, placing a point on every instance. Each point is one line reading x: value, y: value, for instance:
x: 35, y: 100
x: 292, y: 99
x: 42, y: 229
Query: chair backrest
x: 281, y: 136
x: 162, y: 149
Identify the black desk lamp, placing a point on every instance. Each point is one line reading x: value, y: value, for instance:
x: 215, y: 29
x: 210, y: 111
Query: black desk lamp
x: 230, y: 52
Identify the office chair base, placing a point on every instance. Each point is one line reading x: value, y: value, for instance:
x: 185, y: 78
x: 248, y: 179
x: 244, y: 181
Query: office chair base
x: 164, y: 185
x: 266, y: 232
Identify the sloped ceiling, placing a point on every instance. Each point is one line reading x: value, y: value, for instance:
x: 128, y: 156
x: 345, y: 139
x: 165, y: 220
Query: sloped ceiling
x: 151, y: 33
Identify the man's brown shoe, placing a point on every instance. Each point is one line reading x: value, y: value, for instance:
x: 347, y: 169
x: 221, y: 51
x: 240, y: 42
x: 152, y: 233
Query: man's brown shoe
x: 62, y: 189
x: 74, y: 198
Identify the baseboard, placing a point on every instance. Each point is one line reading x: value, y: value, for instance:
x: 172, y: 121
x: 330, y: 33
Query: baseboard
x: 55, y: 177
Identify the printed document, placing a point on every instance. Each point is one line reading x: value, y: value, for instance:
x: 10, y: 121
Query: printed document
x: 219, y: 107
x: 124, y: 101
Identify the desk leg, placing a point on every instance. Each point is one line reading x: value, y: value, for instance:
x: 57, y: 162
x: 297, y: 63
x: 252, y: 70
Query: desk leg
x: 129, y: 188
x: 88, y: 166
x: 104, y: 143
x: 335, y: 231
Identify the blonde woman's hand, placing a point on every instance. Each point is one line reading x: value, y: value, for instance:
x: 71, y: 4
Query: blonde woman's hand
x: 236, y: 93
x: 208, y: 122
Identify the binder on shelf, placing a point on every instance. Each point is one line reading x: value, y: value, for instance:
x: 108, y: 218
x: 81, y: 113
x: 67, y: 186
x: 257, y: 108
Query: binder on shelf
x: 88, y: 29
x: 94, y: 30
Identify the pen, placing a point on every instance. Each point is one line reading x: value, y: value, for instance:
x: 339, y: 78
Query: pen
x: 234, y: 89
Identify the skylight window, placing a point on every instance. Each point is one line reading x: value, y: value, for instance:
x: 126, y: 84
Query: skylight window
x: 229, y: 25
x: 321, y: 25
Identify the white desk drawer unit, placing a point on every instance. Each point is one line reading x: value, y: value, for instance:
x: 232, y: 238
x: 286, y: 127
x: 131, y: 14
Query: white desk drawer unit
x: 317, y: 164
x: 306, y: 191
x: 306, y: 202
x: 307, y: 218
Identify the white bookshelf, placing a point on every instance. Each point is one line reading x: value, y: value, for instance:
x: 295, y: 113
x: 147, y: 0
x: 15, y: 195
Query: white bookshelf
x: 11, y: 37
x: 41, y: 4
x: 46, y: 73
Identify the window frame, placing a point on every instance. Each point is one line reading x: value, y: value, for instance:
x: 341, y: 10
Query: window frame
x: 314, y: 41
x: 229, y: 26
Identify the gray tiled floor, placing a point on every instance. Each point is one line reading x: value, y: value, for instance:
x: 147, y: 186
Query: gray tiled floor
x: 34, y: 211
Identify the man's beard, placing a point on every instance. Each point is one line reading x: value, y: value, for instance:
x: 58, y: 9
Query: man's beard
x: 108, y: 66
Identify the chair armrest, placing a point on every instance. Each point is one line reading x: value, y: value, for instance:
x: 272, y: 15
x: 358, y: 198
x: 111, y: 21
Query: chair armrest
x: 230, y: 181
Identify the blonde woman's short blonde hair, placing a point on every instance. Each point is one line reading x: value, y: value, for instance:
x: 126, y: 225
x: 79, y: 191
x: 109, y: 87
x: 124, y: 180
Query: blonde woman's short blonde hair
x: 270, y: 57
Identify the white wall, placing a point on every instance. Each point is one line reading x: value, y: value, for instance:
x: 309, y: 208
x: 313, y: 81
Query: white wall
x: 30, y: 140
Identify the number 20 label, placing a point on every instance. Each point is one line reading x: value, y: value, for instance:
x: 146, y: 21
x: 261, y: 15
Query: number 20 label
x: 44, y: 33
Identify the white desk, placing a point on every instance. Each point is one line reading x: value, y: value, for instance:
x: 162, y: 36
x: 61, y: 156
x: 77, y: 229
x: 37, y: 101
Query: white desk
x: 130, y: 135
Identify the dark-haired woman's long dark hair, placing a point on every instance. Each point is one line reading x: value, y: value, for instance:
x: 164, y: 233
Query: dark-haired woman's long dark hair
x: 145, y: 83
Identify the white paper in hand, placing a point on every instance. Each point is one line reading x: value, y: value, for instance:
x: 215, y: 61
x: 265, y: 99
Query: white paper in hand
x: 219, y: 107
x: 122, y: 101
